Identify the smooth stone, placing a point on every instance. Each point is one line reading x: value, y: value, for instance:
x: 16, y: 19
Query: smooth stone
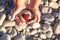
x: 49, y: 34
x: 43, y: 36
x: 48, y: 17
x: 2, y: 8
x: 54, y: 0
x: 9, y: 23
x: 9, y: 29
x: 53, y: 5
x: 55, y: 14
x: 2, y: 29
x: 19, y: 37
x: 13, y: 32
x: 5, y: 37
x: 57, y: 28
x: 46, y: 3
x: 33, y: 32
x: 35, y: 25
x: 45, y: 10
x: 2, y: 18
x: 20, y: 27
x: 47, y: 22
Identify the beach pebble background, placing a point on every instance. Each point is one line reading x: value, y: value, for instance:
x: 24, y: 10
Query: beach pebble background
x: 47, y: 29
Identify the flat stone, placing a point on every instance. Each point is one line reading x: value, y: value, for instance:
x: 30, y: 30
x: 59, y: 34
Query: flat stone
x: 33, y: 32
x: 5, y: 37
x: 2, y: 18
x: 53, y: 5
x: 13, y: 32
x: 43, y: 36
x: 35, y: 25
x: 48, y: 17
x: 19, y: 37
x: 20, y: 27
x: 2, y: 29
x: 9, y: 23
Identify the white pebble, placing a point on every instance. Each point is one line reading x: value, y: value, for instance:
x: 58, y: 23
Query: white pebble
x: 43, y: 36
x: 20, y: 27
x: 33, y: 32
x: 2, y: 18
x: 8, y: 23
x: 53, y: 5
x: 2, y: 29
x: 45, y: 10
x: 57, y: 28
x: 35, y: 25
x: 5, y: 37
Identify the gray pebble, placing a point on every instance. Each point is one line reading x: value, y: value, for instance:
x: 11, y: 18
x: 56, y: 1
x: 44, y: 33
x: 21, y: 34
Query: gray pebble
x: 5, y: 37
x: 48, y: 17
x: 13, y: 32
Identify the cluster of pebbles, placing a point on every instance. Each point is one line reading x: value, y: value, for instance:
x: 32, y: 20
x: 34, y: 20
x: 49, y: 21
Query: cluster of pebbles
x: 47, y: 29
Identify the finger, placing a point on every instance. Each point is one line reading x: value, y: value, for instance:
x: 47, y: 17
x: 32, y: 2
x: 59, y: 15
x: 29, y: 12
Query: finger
x: 34, y: 19
x: 18, y: 20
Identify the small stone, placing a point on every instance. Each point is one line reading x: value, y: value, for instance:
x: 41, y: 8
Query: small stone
x: 20, y: 27
x: 45, y: 10
x: 47, y: 22
x: 54, y: 0
x: 2, y: 18
x: 49, y: 34
x: 5, y: 37
x: 13, y: 32
x: 8, y: 23
x: 46, y: 3
x: 53, y: 5
x: 19, y: 37
x: 43, y: 36
x: 57, y: 28
x: 33, y: 32
x: 48, y: 17
x: 2, y: 29
x: 35, y: 25
x: 55, y: 14
x: 9, y: 29
x: 2, y: 8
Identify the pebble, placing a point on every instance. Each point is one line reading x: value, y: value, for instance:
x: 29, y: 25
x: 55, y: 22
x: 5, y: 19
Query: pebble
x: 5, y: 37
x: 2, y: 29
x: 9, y: 23
x: 55, y: 14
x: 53, y: 0
x: 53, y: 5
x: 45, y: 10
x: 19, y: 37
x: 20, y: 27
x: 9, y: 29
x: 49, y: 34
x: 2, y: 8
x: 46, y: 3
x: 43, y: 36
x: 47, y: 22
x: 57, y: 28
x: 2, y: 18
x: 33, y: 32
x: 48, y: 17
x: 35, y: 25
x: 13, y: 32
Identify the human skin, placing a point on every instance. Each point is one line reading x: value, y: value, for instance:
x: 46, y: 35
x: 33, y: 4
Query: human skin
x: 33, y: 6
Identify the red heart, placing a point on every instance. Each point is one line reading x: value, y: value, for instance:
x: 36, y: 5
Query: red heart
x: 25, y: 16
